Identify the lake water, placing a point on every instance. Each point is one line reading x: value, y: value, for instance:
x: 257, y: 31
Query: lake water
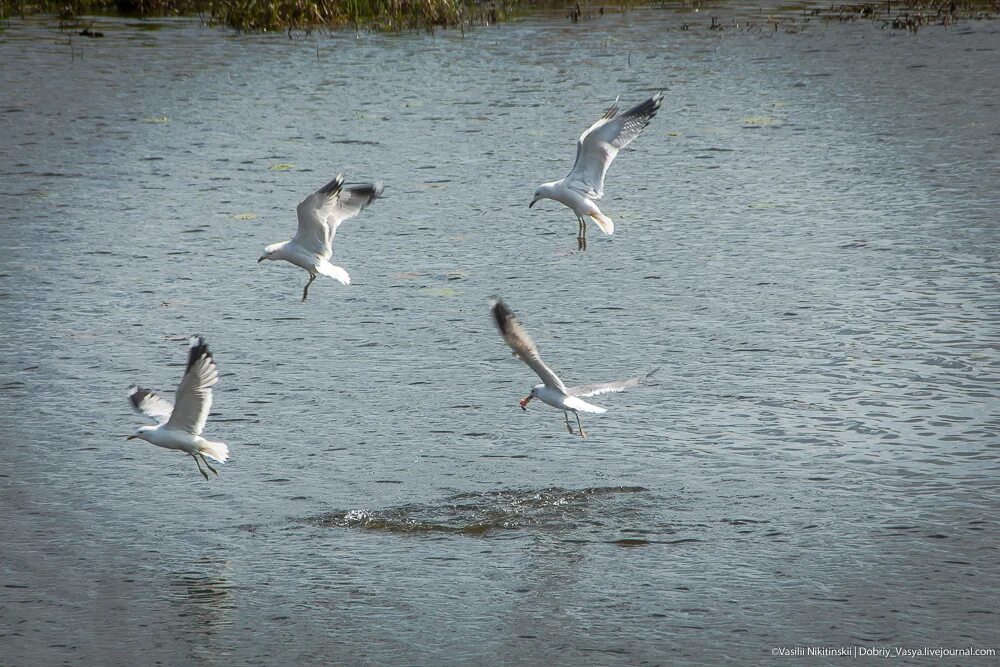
x: 806, y: 246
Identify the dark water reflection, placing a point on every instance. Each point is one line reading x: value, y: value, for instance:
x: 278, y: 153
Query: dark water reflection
x: 807, y: 247
x: 204, y: 593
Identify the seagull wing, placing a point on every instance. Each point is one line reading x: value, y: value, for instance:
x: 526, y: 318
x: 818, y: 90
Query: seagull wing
x: 147, y: 403
x: 519, y: 341
x: 587, y: 390
x: 600, y: 144
x: 348, y: 202
x: 194, y: 394
x: 313, y: 234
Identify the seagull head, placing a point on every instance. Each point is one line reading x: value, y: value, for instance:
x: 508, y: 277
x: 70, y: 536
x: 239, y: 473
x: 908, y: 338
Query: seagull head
x: 140, y: 433
x: 538, y: 195
x: 543, y: 191
x: 269, y: 252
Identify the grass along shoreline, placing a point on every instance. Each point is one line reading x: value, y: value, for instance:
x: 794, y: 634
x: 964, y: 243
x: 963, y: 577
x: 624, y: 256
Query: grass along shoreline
x: 280, y: 15
x: 396, y: 15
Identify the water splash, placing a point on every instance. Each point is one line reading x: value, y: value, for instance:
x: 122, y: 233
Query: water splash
x: 479, y: 513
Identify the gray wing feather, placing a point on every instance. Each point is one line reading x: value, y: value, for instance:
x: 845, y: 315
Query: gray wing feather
x: 322, y: 212
x: 194, y: 394
x: 599, y: 145
x: 147, y: 403
x: 313, y: 233
x: 587, y: 390
x: 351, y: 200
x: 519, y: 341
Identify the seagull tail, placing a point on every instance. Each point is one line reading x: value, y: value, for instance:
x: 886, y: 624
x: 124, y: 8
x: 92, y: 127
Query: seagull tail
x: 580, y: 405
x: 335, y: 272
x: 606, y: 224
x: 216, y: 450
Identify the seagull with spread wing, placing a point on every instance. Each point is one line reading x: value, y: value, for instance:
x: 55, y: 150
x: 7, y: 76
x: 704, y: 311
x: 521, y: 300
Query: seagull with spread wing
x: 179, y: 426
x: 319, y: 216
x: 552, y: 390
x: 595, y: 150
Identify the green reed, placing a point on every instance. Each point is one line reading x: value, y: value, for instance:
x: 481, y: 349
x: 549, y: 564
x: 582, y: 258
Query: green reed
x: 394, y: 15
x: 271, y: 15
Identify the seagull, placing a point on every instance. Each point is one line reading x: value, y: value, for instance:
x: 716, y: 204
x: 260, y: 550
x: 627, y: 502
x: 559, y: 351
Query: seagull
x: 595, y: 150
x: 552, y: 390
x: 180, y: 427
x: 319, y: 216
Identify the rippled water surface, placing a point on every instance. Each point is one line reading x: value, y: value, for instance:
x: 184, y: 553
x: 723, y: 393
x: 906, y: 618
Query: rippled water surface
x: 807, y: 247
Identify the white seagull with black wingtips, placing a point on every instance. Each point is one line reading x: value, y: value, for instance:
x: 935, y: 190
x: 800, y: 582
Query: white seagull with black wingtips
x: 179, y: 426
x: 552, y: 390
x: 319, y: 216
x: 595, y: 150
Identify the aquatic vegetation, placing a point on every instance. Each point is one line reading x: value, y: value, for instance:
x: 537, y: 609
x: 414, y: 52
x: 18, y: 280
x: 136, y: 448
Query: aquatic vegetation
x: 276, y: 15
x: 762, y: 121
x: 911, y: 15
x: 895, y: 14
x: 395, y: 15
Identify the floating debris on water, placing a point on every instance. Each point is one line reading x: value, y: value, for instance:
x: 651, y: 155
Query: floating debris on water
x: 440, y: 291
x: 762, y: 121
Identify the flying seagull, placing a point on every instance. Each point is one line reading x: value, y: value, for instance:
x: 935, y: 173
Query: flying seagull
x: 319, y: 216
x: 595, y: 150
x: 180, y: 426
x: 552, y: 390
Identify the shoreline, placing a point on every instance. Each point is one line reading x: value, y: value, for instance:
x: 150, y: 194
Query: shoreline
x: 255, y: 16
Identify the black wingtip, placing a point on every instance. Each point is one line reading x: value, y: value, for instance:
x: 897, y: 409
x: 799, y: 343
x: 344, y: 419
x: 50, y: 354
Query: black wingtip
x: 136, y: 395
x: 647, y: 108
x: 368, y: 192
x: 502, y: 316
x: 657, y: 100
x: 199, y: 349
x: 645, y: 111
x: 333, y: 186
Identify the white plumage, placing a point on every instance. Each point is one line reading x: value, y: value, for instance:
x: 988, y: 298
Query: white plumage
x: 320, y: 214
x: 180, y: 426
x: 552, y: 391
x: 595, y: 150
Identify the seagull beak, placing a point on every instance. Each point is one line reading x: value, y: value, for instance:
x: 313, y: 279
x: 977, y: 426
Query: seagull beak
x: 524, y: 402
x: 533, y: 202
x: 262, y: 259
x: 132, y: 437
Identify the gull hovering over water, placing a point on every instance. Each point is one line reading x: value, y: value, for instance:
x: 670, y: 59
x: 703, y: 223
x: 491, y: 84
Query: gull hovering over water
x: 179, y: 426
x: 595, y: 150
x: 552, y: 390
x: 319, y: 216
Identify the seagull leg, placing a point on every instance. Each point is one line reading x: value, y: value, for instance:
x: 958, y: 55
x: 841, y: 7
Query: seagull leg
x: 583, y: 434
x: 581, y: 244
x: 305, y: 292
x: 207, y: 465
x: 568, y: 426
x: 198, y: 463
